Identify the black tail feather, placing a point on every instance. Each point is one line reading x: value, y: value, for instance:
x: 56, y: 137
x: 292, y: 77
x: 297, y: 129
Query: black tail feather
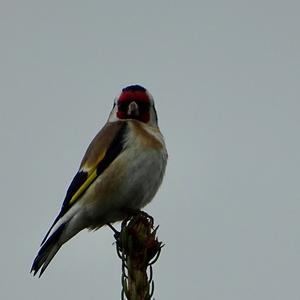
x: 47, y: 251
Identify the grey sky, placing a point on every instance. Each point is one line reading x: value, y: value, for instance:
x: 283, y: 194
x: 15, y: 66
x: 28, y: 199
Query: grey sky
x: 225, y: 78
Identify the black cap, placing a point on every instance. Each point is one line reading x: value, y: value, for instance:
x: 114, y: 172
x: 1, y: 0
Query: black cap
x: 134, y: 88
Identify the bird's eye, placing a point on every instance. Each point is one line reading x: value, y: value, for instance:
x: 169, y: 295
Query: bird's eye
x: 144, y: 107
x: 122, y: 106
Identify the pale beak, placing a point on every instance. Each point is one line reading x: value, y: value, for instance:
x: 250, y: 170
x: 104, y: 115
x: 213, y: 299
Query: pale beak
x: 133, y: 109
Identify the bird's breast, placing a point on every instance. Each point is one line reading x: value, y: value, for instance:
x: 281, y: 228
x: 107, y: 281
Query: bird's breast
x: 133, y: 178
x: 144, y: 162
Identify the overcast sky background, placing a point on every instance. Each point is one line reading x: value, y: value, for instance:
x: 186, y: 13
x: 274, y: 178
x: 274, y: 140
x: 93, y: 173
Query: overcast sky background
x: 225, y: 78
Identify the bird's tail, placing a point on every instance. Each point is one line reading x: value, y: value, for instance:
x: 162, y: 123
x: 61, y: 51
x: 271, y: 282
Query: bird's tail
x: 48, y: 250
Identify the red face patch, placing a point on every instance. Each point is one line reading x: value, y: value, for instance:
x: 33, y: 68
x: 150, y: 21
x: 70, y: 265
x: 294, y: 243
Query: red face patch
x: 137, y: 96
x: 140, y: 98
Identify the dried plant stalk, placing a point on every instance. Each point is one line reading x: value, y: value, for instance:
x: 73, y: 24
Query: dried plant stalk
x: 138, y: 248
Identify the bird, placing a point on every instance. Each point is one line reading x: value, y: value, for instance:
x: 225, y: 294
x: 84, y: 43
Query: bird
x: 120, y: 173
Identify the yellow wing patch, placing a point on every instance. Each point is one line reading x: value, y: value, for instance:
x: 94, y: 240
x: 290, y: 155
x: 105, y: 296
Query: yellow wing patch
x: 104, y: 148
x: 91, y: 177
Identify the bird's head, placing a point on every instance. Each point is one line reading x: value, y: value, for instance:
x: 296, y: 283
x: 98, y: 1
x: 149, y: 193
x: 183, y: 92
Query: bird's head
x: 134, y: 102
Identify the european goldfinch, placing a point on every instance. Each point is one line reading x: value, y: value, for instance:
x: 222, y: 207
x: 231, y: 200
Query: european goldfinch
x: 120, y: 173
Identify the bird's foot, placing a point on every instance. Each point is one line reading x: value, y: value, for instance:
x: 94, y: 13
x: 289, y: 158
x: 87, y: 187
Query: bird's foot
x: 116, y: 232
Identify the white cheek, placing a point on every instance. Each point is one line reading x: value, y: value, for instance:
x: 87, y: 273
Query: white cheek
x: 113, y: 115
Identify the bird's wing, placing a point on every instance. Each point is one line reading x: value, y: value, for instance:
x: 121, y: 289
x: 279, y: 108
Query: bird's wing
x: 102, y: 151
